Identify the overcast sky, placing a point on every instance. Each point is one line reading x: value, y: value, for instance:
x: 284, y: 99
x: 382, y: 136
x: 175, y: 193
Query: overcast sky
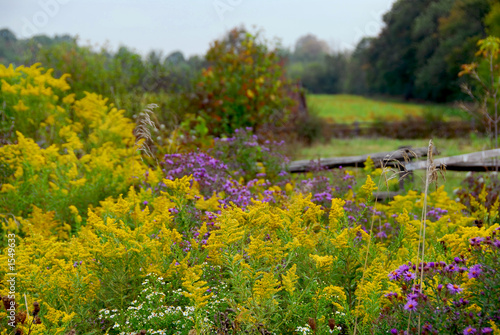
x: 190, y: 25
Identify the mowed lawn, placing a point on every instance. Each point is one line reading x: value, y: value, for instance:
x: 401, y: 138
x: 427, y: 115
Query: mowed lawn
x: 343, y: 108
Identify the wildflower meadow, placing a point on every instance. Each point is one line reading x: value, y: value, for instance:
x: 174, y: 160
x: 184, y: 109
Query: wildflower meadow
x: 106, y: 231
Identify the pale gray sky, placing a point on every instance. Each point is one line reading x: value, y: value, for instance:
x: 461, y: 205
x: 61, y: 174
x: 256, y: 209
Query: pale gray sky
x: 190, y: 25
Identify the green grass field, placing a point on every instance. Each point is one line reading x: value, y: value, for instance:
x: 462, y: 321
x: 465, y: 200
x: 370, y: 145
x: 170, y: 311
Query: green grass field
x: 360, y: 146
x: 350, y: 108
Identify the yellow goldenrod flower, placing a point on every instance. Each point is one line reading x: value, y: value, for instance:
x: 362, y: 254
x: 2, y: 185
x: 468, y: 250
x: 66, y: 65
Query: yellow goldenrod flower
x: 323, y: 262
x: 368, y: 188
x: 289, y: 279
x: 266, y: 287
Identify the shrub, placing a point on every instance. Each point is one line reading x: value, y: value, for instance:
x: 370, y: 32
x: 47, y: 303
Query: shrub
x: 243, y: 85
x: 70, y: 153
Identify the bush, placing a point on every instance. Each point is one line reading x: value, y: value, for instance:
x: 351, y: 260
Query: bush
x: 69, y: 152
x: 243, y: 86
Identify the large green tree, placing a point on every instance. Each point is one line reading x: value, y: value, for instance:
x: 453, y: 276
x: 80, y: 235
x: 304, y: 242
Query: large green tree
x: 420, y: 50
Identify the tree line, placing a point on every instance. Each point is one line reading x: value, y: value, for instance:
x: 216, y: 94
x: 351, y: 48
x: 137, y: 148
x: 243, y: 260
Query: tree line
x: 417, y: 55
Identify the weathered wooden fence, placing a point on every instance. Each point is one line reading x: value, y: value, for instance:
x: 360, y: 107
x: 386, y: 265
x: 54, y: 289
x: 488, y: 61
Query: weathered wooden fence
x: 476, y: 161
x: 391, y: 158
x: 403, y: 159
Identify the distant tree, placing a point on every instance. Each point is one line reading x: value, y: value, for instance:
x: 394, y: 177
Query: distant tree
x: 392, y: 54
x: 357, y: 65
x: 430, y: 82
x: 7, y: 36
x: 175, y: 58
x: 8, y: 46
x: 325, y: 76
x: 310, y: 48
x: 457, y: 34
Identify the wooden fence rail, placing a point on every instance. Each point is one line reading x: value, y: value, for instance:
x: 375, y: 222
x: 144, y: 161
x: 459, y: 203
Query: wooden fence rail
x: 379, y: 159
x: 476, y: 161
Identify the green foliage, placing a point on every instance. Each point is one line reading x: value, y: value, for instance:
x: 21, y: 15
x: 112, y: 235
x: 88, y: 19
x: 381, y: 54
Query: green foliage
x: 126, y: 78
x: 243, y: 85
x: 493, y: 20
x: 419, y: 52
x: 417, y: 55
x: 485, y: 76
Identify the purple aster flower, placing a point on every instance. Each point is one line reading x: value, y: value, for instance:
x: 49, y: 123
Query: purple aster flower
x: 496, y: 243
x: 411, y: 305
x: 470, y: 330
x: 408, y: 276
x: 476, y: 240
x: 427, y: 327
x: 394, y: 331
x: 394, y: 275
x: 391, y: 294
x: 454, y: 288
x: 412, y: 296
x: 486, y: 330
x: 475, y: 271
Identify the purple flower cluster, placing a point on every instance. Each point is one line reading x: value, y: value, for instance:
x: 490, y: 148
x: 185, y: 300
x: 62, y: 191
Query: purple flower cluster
x: 211, y: 175
x: 445, y: 303
x: 403, y: 272
x: 244, y: 150
x: 208, y: 172
x: 411, y: 305
x: 472, y: 330
x: 326, y: 185
x: 435, y: 213
x: 454, y: 288
x: 485, y: 241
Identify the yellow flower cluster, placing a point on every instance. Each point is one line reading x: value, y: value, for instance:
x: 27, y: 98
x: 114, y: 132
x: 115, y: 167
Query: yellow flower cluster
x: 43, y: 110
x: 196, y: 289
x: 88, y: 235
